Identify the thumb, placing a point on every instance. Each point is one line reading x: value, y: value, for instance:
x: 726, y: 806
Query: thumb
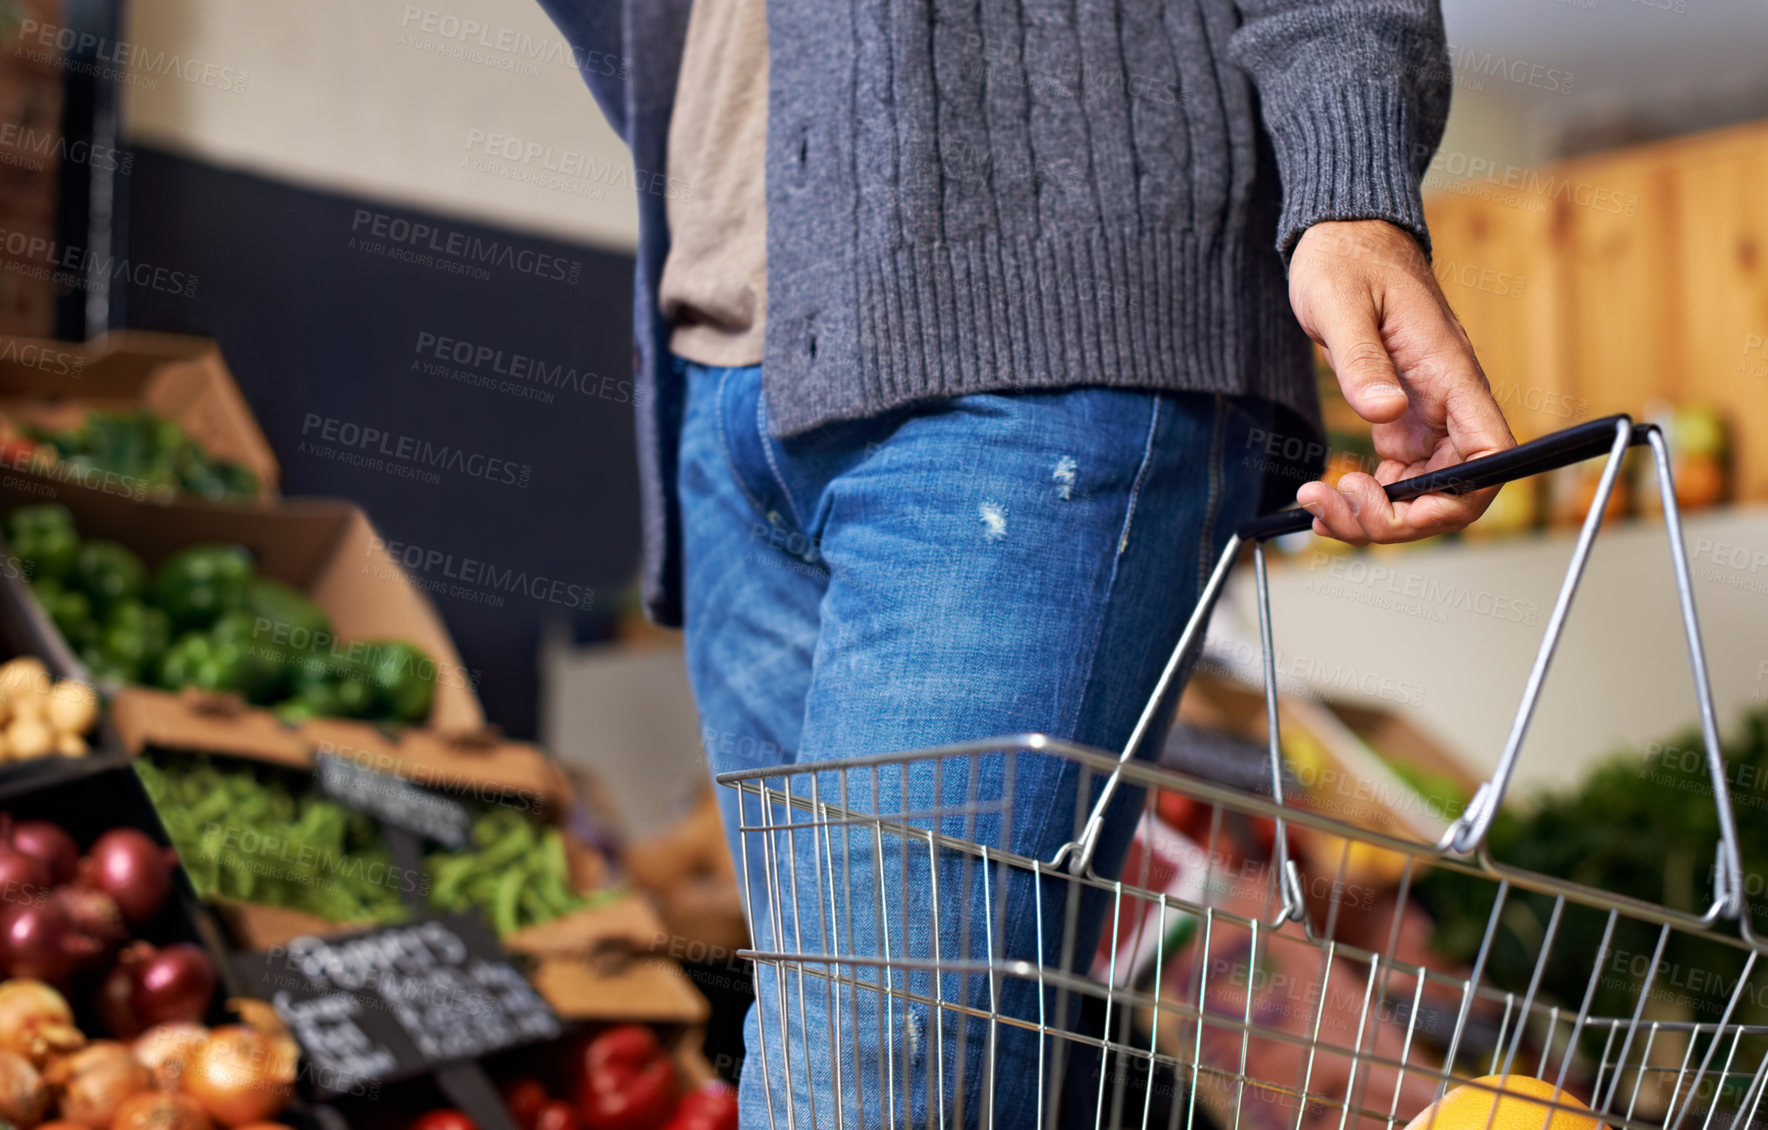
x: 1366, y: 373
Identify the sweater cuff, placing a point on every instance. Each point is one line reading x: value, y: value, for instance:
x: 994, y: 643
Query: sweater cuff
x: 1347, y: 152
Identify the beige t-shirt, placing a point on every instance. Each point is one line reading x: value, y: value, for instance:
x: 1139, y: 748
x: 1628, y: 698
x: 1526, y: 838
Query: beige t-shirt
x: 714, y: 284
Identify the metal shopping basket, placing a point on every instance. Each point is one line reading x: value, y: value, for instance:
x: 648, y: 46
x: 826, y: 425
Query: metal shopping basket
x: 921, y: 960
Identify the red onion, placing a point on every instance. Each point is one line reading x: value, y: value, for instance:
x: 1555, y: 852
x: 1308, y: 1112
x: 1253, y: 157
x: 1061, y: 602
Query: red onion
x: 133, y: 870
x: 174, y: 983
x: 94, y: 914
x: 151, y: 986
x: 47, y: 842
x: 22, y: 876
x: 37, y: 940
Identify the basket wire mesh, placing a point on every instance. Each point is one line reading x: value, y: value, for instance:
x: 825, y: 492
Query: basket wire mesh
x: 1240, y: 960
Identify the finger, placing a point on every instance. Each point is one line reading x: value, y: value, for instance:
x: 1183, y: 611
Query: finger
x: 1433, y: 514
x: 1433, y: 344
x: 1333, y: 516
x: 1375, y: 519
x: 1378, y: 517
x: 1350, y: 330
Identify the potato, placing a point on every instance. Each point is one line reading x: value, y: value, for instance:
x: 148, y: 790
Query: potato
x: 70, y: 745
x: 24, y: 705
x: 73, y: 707
x: 30, y: 737
x: 25, y: 672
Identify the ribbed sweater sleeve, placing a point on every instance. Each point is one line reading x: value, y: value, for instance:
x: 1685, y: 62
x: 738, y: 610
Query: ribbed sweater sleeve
x: 1354, y: 94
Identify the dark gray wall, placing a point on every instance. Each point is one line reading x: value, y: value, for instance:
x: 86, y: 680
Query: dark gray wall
x: 322, y: 332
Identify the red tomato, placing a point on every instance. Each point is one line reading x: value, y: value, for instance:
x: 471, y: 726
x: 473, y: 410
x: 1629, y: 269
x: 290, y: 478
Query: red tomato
x: 1177, y: 809
x: 523, y: 1098
x: 712, y: 1107
x: 444, y: 1120
x: 555, y: 1114
x: 625, y: 1080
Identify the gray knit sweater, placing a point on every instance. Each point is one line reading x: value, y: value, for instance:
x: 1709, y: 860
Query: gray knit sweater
x: 971, y: 195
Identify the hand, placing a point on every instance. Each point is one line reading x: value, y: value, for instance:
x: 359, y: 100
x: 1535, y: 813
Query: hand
x: 1363, y: 290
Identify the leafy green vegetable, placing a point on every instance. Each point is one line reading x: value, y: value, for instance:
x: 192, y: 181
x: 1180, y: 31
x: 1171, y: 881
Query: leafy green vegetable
x: 1642, y: 825
x: 516, y: 874
x: 243, y: 833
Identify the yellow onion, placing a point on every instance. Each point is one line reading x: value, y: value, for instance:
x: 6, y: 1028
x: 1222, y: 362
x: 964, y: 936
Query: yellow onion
x: 24, y: 1097
x: 92, y: 1083
x: 166, y: 1050
x: 240, y: 1076
x: 35, y: 1021
x: 161, y: 1110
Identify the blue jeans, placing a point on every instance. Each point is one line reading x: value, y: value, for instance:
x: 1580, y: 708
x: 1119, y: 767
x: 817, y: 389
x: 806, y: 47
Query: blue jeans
x: 990, y: 564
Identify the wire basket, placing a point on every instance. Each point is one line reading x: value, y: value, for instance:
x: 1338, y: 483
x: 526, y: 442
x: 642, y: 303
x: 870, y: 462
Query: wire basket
x: 1240, y: 961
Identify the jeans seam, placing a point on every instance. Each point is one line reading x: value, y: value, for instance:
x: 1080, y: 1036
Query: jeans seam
x: 725, y: 445
x: 773, y: 464
x: 1129, y: 516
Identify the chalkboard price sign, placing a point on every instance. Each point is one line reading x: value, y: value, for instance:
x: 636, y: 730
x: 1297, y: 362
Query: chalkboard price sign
x: 398, y: 1001
x: 392, y: 800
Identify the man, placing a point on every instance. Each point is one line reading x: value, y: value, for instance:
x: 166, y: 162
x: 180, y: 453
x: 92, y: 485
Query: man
x: 961, y: 329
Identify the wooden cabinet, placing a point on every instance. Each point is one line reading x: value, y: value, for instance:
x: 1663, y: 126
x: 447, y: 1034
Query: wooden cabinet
x: 1606, y: 283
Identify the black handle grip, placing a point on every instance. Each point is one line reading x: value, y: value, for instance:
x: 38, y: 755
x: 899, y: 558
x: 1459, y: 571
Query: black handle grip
x: 1538, y: 456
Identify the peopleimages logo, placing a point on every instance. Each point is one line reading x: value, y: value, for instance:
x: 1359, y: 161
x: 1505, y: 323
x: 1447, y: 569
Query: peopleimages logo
x: 483, y: 365
x: 419, y: 242
x: 411, y: 450
x: 84, y: 51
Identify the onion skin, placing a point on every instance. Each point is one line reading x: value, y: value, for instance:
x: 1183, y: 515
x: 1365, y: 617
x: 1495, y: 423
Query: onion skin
x: 238, y: 1077
x: 93, y: 913
x: 93, y: 1082
x: 167, y: 1049
x: 133, y: 869
x: 149, y: 986
x: 35, y: 1021
x: 161, y: 1110
x: 24, y: 1096
x: 38, y: 941
x: 50, y: 845
x: 174, y: 982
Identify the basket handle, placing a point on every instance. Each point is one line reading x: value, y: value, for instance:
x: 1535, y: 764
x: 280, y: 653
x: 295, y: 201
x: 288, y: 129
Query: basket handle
x: 1610, y: 436
x: 1538, y: 456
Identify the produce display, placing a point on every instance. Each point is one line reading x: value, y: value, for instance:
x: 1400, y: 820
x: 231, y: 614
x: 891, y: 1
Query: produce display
x: 304, y: 852
x: 176, y: 1075
x: 205, y: 619
x: 516, y: 874
x: 72, y: 914
x: 309, y: 853
x: 619, y: 1079
x: 42, y: 716
x: 136, y: 445
x: 102, y: 1027
x: 1642, y: 825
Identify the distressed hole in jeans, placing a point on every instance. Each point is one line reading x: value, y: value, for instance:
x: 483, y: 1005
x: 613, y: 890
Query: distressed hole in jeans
x: 1063, y: 477
x: 994, y: 520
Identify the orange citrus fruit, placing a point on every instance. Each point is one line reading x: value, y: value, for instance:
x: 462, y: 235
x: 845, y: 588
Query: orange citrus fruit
x: 1521, y: 1105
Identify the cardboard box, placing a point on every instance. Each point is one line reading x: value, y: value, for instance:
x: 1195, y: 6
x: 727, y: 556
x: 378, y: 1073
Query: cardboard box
x: 600, y: 964
x: 184, y: 379
x: 325, y: 548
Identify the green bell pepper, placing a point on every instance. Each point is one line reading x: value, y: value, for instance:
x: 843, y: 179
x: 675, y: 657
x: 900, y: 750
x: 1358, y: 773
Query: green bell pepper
x: 133, y: 637
x: 404, y: 677
x: 43, y: 539
x: 196, y: 585
x: 110, y: 573
x: 194, y: 660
